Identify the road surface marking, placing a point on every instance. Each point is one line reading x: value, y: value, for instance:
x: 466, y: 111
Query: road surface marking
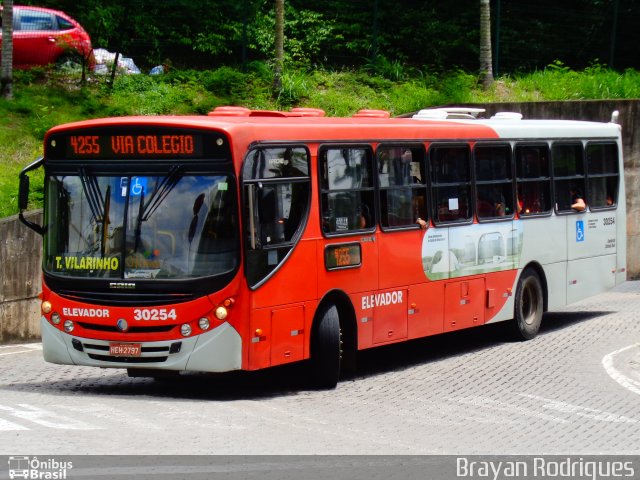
x: 23, y: 348
x: 628, y: 383
x: 581, y: 411
x: 44, y: 418
x: 6, y: 426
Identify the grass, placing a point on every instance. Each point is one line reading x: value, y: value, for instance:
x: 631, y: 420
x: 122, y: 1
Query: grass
x: 42, y: 99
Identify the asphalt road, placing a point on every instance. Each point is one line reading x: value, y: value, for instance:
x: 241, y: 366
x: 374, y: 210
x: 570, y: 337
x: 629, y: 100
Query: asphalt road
x: 574, y: 390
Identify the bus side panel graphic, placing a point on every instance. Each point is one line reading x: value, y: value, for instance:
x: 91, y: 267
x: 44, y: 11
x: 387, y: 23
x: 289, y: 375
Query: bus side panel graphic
x: 471, y: 250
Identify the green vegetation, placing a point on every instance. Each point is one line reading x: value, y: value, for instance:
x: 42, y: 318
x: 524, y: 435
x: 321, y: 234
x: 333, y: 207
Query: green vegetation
x: 42, y: 100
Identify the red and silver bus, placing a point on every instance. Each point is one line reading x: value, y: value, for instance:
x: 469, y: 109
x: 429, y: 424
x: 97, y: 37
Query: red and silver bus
x: 247, y: 239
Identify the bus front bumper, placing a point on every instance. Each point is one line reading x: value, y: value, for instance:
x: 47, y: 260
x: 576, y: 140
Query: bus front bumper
x: 219, y: 350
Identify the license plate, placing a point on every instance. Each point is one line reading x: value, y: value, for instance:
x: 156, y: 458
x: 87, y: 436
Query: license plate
x: 125, y: 349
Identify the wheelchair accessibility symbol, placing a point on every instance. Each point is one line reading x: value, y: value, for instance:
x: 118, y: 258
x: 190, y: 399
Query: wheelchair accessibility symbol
x: 579, y: 231
x: 137, y: 187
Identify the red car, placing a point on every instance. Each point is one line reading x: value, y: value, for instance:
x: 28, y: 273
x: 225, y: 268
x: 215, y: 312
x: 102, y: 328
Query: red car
x: 42, y: 36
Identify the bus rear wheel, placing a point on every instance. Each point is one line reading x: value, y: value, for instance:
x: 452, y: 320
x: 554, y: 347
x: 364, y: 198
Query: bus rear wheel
x: 326, y: 350
x: 529, y: 305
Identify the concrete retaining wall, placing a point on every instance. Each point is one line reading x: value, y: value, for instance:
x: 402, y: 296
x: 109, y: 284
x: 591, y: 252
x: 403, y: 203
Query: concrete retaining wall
x: 20, y: 247
x: 20, y: 278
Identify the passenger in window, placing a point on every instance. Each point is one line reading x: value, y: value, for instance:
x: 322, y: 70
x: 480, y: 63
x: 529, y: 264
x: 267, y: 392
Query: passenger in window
x: 365, y: 217
x: 531, y: 201
x: 524, y: 206
x: 500, y: 204
x: 402, y: 167
x: 418, y: 202
x: 490, y: 203
x: 485, y: 208
x: 577, y: 201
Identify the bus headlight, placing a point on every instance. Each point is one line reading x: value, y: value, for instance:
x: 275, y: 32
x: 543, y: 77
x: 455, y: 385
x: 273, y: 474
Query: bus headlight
x: 185, y: 330
x: 68, y: 326
x: 221, y: 313
x: 46, y: 307
x: 55, y: 318
x: 204, y: 324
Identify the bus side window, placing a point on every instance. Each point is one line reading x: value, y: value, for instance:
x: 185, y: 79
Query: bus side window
x: 346, y: 189
x: 602, y: 174
x: 494, y: 181
x: 402, y: 181
x: 533, y: 194
x: 568, y: 176
x: 451, y: 183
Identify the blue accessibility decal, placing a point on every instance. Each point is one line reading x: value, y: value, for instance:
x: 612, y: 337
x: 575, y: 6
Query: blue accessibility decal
x: 579, y: 231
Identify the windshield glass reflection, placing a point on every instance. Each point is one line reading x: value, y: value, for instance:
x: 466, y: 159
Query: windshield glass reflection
x: 141, y: 227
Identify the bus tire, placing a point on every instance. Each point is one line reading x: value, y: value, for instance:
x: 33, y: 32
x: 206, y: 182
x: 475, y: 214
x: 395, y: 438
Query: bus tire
x: 529, y: 305
x: 326, y: 350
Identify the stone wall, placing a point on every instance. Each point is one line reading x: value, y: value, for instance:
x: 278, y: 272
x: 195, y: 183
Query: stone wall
x: 20, y: 247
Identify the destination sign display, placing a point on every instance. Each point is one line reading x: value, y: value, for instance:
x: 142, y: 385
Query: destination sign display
x: 104, y: 146
x: 132, y: 146
x: 342, y: 256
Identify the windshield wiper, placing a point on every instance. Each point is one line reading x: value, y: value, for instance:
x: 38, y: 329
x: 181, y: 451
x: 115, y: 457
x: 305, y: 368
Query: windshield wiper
x: 157, y: 197
x: 93, y: 194
x: 99, y: 207
x: 105, y: 219
x: 160, y: 193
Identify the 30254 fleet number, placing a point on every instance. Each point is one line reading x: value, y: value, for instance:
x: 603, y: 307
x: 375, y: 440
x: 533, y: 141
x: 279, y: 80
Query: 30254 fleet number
x: 154, y: 314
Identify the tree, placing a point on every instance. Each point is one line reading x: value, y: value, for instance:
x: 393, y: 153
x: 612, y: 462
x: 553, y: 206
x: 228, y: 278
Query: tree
x: 486, y: 69
x: 6, y: 62
x: 277, y: 77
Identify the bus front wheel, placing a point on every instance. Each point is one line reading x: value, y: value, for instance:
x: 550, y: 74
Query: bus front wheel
x: 326, y: 349
x: 529, y: 305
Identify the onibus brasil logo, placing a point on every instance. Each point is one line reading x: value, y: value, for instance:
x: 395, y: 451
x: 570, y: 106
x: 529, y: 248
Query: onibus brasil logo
x: 34, y: 468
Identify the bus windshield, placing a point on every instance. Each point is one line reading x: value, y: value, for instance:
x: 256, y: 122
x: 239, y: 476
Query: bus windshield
x: 173, y: 226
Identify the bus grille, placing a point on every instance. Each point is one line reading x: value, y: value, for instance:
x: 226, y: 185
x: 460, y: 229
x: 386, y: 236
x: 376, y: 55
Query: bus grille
x: 108, y: 358
x: 99, y: 350
x: 121, y: 299
x: 114, y: 329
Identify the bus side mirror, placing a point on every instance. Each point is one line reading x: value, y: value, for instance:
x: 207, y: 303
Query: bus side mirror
x: 23, y: 192
x: 23, y: 196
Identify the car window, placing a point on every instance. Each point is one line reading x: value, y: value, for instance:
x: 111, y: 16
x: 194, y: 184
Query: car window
x: 32, y: 21
x: 64, y: 24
